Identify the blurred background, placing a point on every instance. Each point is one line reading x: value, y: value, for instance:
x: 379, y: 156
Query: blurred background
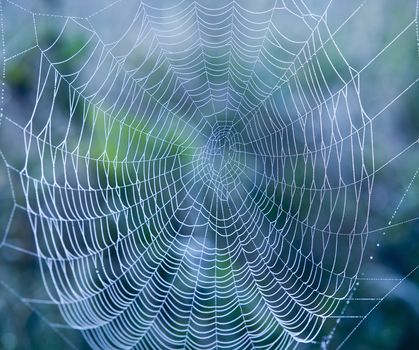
x: 378, y: 38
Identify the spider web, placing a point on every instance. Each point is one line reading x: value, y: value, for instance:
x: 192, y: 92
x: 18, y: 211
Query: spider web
x: 199, y: 175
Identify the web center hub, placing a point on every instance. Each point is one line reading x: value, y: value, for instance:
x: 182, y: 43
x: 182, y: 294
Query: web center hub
x: 220, y: 162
